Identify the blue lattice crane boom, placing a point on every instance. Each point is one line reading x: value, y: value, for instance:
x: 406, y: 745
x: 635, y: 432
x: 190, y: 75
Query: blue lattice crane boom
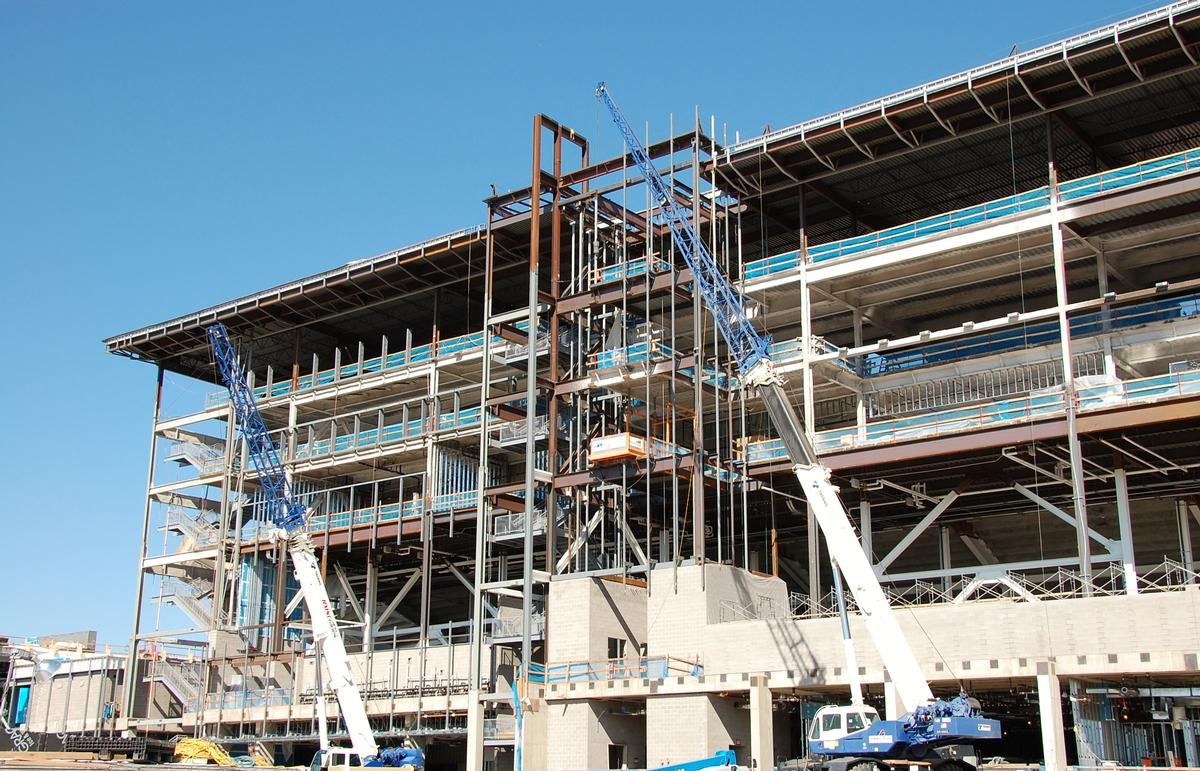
x: 288, y: 515
x: 285, y: 511
x: 750, y: 349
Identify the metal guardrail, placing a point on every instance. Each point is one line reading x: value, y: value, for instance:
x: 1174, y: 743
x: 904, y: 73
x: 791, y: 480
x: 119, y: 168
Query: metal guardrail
x: 1002, y: 412
x: 639, y: 668
x: 506, y: 627
x: 1063, y: 583
x: 421, y: 354
x: 206, y: 460
x: 1022, y: 203
x: 501, y: 728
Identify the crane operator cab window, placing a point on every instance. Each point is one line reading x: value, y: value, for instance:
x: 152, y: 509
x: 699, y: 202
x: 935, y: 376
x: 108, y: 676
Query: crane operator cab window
x: 834, y: 722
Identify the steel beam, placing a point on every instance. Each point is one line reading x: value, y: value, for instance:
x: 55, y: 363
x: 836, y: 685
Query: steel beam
x: 915, y: 533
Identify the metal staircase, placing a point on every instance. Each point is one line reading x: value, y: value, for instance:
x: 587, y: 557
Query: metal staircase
x: 206, y: 459
x: 177, y: 592
x: 197, y: 528
x: 182, y: 679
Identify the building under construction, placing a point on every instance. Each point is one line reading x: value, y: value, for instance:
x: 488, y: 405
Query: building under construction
x: 525, y: 449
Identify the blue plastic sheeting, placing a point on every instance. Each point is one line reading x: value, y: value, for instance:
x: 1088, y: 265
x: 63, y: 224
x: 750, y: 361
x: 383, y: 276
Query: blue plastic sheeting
x: 1077, y: 189
x: 987, y: 415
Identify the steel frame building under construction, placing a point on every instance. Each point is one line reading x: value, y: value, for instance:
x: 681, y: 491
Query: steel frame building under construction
x: 524, y: 447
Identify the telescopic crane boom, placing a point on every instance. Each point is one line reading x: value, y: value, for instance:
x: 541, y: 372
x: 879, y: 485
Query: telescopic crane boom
x: 861, y: 739
x: 750, y: 349
x: 288, y: 515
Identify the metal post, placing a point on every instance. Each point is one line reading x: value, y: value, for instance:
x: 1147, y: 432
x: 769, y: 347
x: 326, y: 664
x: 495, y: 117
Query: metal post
x: 1125, y: 524
x: 697, y: 480
x: 131, y: 656
x: 864, y: 517
x: 535, y: 193
x: 1185, y: 534
x: 1079, y: 495
x: 806, y: 332
x: 478, y: 622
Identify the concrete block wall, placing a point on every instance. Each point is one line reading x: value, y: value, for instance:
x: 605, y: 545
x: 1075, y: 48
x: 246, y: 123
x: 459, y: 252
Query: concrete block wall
x: 1154, y: 632
x: 682, y: 604
x: 586, y: 612
x: 73, y: 699
x: 682, y: 728
x: 581, y: 733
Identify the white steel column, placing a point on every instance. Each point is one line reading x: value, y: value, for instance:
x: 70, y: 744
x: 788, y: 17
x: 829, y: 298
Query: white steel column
x: 1054, y: 743
x: 1079, y: 497
x: 806, y: 375
x: 944, y: 548
x: 864, y: 519
x: 474, y: 731
x: 1110, y: 363
x: 131, y: 674
x: 860, y: 406
x: 762, y: 737
x: 1125, y: 523
x: 1185, y: 534
x: 814, y: 558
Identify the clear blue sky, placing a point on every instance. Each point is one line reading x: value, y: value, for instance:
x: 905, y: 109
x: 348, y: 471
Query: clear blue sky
x: 158, y: 157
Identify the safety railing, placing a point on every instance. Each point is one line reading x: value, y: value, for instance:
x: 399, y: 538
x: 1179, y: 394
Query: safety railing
x: 512, y: 523
x: 508, y: 627
x: 420, y: 354
x: 201, y: 531
x: 1022, y: 203
x: 1129, y: 176
x: 181, y: 678
x: 762, y: 607
x: 639, y: 668
x: 264, y: 697
x: 626, y: 270
x: 501, y: 727
x: 387, y: 512
x: 468, y: 417
x: 205, y: 459
x: 1028, y: 335
x: 979, y: 386
x: 1172, y: 385
x: 990, y: 584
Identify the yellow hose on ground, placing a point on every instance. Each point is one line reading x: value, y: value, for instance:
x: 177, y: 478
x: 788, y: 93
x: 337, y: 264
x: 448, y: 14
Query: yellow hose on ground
x: 202, y: 749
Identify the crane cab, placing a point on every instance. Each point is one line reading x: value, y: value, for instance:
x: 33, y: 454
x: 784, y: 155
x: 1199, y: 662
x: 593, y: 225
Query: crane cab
x: 833, y: 721
x: 335, y: 759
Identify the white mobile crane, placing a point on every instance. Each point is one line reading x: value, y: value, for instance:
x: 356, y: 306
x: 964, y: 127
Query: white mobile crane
x: 287, y: 513
x: 929, y: 722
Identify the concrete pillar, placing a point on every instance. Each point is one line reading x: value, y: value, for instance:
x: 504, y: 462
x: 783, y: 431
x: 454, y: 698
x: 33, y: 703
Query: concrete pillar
x: 891, y: 700
x: 474, y: 731
x: 1125, y: 524
x: 1054, y: 743
x: 762, y: 737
